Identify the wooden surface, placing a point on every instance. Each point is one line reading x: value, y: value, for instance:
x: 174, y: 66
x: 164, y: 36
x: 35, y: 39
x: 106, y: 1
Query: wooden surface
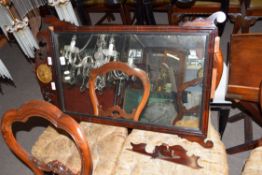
x: 58, y: 119
x: 3, y: 41
x: 123, y: 67
x: 245, y: 67
x: 260, y: 96
x: 244, y: 85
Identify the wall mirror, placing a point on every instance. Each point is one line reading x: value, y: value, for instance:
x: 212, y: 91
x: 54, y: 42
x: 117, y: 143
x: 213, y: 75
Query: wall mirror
x: 177, y: 60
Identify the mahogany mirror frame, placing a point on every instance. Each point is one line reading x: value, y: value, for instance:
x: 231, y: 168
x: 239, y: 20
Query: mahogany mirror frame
x: 47, y: 51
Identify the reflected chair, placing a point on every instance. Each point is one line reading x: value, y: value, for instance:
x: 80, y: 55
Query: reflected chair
x: 116, y: 111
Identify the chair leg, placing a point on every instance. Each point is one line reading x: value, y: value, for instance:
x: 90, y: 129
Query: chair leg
x: 248, y: 129
x: 237, y: 117
x: 223, y: 119
x: 248, y: 132
x: 244, y: 147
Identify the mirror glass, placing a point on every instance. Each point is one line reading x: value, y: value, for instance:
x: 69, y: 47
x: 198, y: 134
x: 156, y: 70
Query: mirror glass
x: 174, y: 61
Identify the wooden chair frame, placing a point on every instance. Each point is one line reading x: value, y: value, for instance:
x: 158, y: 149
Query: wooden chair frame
x: 245, y: 94
x: 119, y: 66
x: 59, y: 120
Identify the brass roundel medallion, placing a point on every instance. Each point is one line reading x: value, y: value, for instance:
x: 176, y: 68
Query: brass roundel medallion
x: 44, y: 73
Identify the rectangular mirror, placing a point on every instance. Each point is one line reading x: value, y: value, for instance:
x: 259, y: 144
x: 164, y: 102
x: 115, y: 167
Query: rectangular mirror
x: 177, y: 60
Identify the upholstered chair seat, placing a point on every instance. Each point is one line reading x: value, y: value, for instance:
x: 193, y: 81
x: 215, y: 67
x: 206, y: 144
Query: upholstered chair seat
x: 105, y: 143
x: 213, y: 161
x: 110, y: 149
x: 254, y: 162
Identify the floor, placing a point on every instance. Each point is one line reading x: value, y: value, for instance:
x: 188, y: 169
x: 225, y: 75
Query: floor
x: 26, y: 88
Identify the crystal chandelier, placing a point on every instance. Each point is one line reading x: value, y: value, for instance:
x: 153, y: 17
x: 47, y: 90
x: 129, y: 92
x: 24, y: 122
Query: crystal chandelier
x: 14, y: 20
x: 64, y: 10
x: 12, y: 23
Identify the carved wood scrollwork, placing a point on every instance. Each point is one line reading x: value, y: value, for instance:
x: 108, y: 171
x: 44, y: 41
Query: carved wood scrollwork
x: 175, y: 153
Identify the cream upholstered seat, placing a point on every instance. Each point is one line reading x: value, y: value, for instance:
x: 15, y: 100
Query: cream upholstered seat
x: 253, y: 165
x: 213, y: 161
x: 110, y: 152
x: 105, y: 143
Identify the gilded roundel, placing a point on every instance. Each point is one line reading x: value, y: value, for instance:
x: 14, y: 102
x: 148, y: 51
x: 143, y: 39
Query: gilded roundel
x: 44, y: 73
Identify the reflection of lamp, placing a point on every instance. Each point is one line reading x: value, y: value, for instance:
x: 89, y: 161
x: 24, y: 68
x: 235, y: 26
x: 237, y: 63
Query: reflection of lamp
x: 193, y: 54
x: 170, y: 55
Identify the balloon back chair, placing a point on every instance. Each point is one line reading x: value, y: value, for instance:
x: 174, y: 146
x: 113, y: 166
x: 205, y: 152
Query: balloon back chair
x: 56, y: 152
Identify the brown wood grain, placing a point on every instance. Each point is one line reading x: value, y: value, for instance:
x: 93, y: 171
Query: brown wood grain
x: 119, y: 66
x: 3, y: 41
x: 245, y: 66
x: 260, y: 96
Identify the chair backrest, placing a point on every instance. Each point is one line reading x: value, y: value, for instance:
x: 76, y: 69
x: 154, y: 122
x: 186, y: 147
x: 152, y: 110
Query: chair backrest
x: 59, y: 120
x: 245, y: 73
x: 116, y: 111
x: 245, y: 67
